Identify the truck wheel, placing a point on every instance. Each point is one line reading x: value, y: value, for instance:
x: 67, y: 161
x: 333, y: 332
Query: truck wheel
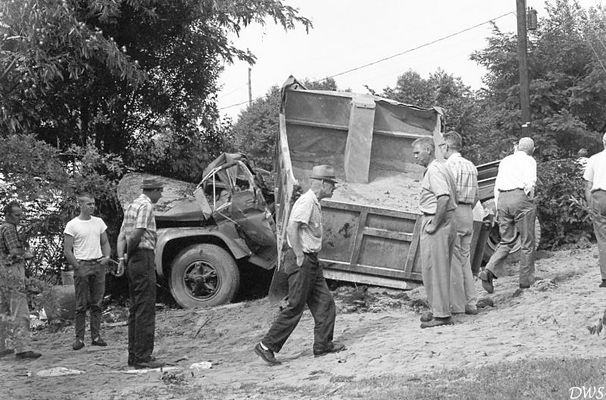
x: 494, y: 238
x: 204, y: 275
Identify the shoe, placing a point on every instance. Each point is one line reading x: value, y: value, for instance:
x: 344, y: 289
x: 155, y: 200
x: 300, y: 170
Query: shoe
x: 27, y: 355
x: 471, y: 310
x: 333, y: 347
x: 437, y: 322
x: 603, y: 284
x: 131, y: 360
x: 78, y: 344
x: 6, y: 352
x: 266, y: 355
x: 148, y: 364
x: 99, y: 342
x: 487, y: 276
x: 426, y: 316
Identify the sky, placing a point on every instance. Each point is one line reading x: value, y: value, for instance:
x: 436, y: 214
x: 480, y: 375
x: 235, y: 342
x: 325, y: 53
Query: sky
x: 350, y: 33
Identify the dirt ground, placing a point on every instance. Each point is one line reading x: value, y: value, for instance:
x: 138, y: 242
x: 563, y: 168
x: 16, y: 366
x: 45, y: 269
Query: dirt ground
x: 379, y: 327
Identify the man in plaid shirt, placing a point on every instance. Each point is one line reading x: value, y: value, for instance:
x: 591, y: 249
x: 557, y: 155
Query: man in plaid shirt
x: 136, y: 244
x: 463, y: 296
x: 14, y: 310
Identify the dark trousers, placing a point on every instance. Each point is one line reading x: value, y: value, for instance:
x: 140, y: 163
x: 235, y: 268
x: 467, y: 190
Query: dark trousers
x: 89, y: 284
x: 141, y: 273
x: 516, y: 216
x: 306, y: 285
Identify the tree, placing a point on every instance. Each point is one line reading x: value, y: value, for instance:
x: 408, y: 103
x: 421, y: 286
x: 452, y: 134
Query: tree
x: 114, y: 73
x: 457, y: 100
x: 568, y: 81
x: 257, y: 126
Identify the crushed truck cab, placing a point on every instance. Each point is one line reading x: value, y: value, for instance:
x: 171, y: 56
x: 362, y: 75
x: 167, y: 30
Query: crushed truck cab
x: 205, y: 230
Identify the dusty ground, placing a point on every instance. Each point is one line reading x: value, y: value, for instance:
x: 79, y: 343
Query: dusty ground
x: 380, y: 328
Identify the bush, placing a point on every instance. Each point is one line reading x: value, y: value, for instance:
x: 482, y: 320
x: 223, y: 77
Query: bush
x: 561, y: 205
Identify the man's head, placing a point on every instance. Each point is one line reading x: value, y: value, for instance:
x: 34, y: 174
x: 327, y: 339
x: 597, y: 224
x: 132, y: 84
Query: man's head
x: 152, y: 188
x: 86, y: 202
x: 423, y: 150
x: 13, y: 212
x: 453, y: 142
x: 526, y: 145
x: 323, y: 181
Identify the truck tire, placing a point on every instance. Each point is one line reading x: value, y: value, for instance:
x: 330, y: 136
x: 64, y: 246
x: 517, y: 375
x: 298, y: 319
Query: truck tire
x: 514, y: 255
x: 204, y: 275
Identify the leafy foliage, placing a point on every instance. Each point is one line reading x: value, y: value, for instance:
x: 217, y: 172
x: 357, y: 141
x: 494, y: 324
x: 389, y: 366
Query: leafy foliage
x: 560, y: 203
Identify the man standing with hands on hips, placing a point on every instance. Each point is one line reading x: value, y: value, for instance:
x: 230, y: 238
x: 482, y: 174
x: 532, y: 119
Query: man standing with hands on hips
x: 87, y: 249
x: 306, y: 283
x: 135, y: 248
x: 437, y: 203
x: 516, y: 211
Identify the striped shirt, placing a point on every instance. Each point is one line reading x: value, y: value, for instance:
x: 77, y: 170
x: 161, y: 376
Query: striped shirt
x: 140, y: 214
x: 308, y: 212
x: 466, y: 178
x: 10, y: 240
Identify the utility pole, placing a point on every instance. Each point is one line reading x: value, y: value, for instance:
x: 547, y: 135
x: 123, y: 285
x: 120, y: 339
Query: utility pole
x: 523, y: 64
x: 249, y: 86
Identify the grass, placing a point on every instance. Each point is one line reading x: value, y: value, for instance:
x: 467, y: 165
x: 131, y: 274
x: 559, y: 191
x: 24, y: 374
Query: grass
x: 537, y: 379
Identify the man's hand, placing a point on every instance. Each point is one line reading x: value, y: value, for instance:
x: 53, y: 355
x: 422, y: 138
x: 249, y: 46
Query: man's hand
x: 430, y: 228
x: 28, y: 255
x: 121, y: 267
x: 105, y: 261
x: 300, y: 258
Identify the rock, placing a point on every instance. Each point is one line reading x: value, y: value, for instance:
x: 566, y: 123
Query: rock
x: 62, y: 305
x: 485, y: 302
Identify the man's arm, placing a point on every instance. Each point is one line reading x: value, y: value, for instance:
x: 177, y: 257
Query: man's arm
x: 121, y: 252
x: 68, y: 250
x: 438, y: 218
x: 105, y: 247
x: 588, y: 186
x: 294, y: 237
x: 133, y: 240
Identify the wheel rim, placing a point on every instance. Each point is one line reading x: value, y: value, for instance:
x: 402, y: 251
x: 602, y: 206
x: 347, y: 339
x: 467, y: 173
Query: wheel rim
x: 201, y: 280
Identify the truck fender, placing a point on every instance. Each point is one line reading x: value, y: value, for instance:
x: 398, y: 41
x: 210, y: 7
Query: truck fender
x: 238, y: 250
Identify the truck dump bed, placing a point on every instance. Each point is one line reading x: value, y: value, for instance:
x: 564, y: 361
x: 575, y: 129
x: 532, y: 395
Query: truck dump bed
x: 371, y: 229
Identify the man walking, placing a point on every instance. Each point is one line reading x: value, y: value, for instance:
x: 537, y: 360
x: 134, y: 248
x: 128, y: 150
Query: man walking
x: 514, y: 194
x: 87, y: 249
x: 463, y: 295
x: 438, y: 202
x: 136, y: 244
x: 595, y: 194
x: 13, y: 298
x: 306, y: 283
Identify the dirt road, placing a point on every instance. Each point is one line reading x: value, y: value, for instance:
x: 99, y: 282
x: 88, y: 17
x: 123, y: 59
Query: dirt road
x: 379, y: 327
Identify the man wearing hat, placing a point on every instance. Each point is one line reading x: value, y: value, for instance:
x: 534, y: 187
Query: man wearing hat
x: 306, y: 283
x: 138, y: 235
x: 513, y: 195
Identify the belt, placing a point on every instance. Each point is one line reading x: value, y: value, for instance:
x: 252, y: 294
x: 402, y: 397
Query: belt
x: 91, y: 260
x: 428, y: 214
x: 465, y: 204
x: 510, y: 190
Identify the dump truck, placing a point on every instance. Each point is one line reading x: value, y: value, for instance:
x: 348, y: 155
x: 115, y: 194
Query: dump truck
x: 372, y: 222
x: 236, y: 217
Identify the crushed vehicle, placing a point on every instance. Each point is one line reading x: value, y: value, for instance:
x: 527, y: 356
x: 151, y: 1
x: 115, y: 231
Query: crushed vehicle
x: 206, y: 230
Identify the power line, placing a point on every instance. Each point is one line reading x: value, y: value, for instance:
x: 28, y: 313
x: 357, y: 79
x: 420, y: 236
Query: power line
x: 394, y: 55
x: 418, y: 47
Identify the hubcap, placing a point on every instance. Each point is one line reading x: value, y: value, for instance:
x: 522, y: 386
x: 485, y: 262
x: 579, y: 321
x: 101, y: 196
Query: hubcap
x: 201, y: 280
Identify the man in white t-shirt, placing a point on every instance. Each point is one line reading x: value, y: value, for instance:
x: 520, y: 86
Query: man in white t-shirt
x: 595, y: 194
x: 87, y: 249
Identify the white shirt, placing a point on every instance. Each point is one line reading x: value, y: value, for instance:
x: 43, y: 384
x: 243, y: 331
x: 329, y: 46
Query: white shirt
x: 87, y: 237
x: 308, y: 212
x: 516, y: 171
x: 595, y: 171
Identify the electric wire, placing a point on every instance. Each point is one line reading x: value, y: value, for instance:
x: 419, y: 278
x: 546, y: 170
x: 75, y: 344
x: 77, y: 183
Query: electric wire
x: 394, y: 55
